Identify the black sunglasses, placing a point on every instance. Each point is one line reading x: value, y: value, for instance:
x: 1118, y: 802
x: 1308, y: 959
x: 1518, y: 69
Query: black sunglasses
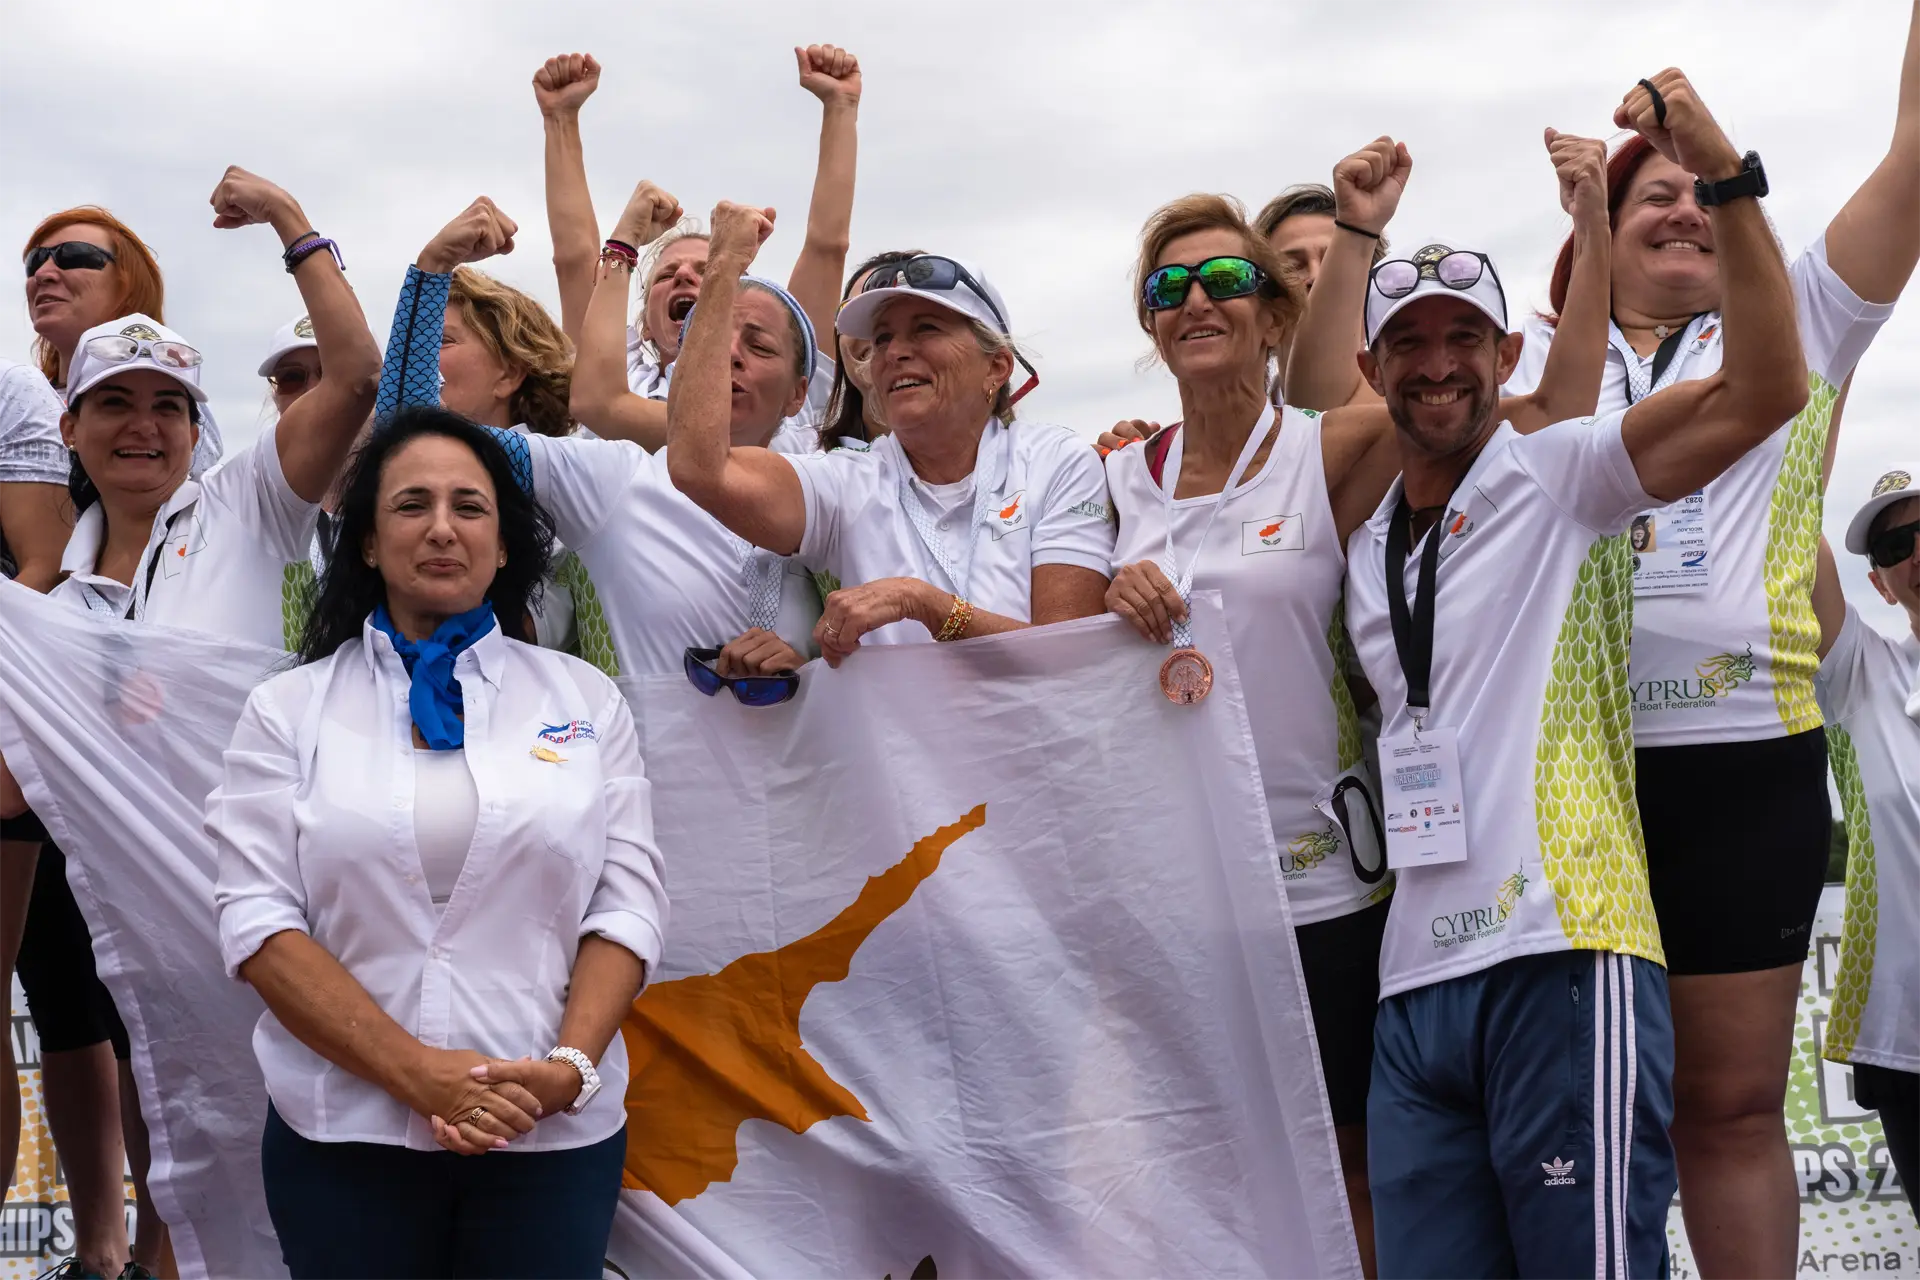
x: 748, y: 691
x: 1359, y: 820
x: 69, y: 255
x: 932, y: 272
x: 1461, y: 269
x: 1890, y: 547
x: 292, y: 378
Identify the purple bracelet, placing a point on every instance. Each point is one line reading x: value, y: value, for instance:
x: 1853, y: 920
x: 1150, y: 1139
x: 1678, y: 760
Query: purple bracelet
x: 305, y: 248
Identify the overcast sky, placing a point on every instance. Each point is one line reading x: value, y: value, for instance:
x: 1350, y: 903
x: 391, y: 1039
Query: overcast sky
x: 1030, y: 138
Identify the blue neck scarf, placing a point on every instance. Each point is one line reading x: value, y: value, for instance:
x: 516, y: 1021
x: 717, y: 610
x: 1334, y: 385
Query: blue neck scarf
x: 435, y: 696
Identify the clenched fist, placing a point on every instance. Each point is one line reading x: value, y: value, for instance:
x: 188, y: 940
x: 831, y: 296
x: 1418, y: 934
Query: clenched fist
x: 481, y: 231
x: 1680, y: 127
x: 1368, y: 184
x: 830, y: 74
x: 738, y: 232
x: 565, y: 82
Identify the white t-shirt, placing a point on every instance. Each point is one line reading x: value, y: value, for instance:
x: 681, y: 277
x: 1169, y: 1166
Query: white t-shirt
x: 1733, y: 661
x: 1869, y: 690
x: 1274, y: 555
x: 663, y: 576
x: 1532, y: 621
x: 798, y: 434
x: 228, y: 555
x: 31, y: 451
x: 1043, y: 501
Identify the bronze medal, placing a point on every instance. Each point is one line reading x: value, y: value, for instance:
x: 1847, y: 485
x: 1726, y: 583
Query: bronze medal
x: 1186, y: 676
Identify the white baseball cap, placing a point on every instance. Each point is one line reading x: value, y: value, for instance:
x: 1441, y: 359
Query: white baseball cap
x: 943, y: 281
x: 291, y: 336
x: 1892, y: 485
x: 133, y: 342
x: 1434, y: 270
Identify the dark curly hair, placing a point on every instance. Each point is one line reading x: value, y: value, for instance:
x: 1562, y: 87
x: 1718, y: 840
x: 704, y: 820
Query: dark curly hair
x: 350, y: 588
x: 846, y: 416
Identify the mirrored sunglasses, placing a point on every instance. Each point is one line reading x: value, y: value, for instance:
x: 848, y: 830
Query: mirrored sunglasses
x: 1461, y: 269
x: 748, y: 691
x: 118, y: 348
x: 1222, y: 278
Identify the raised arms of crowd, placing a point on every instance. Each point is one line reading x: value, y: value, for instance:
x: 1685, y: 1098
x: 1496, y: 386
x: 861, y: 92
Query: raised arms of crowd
x: 1874, y: 241
x: 411, y: 373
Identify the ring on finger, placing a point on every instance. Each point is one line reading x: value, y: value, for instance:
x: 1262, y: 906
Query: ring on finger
x: 476, y: 1115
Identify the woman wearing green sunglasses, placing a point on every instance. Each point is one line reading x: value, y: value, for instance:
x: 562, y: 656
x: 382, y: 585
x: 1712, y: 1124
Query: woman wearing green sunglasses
x: 1257, y: 503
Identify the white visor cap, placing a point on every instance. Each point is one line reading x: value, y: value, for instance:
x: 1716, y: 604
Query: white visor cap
x: 1892, y: 485
x: 970, y: 295
x: 1430, y: 268
x: 148, y: 344
x: 291, y: 336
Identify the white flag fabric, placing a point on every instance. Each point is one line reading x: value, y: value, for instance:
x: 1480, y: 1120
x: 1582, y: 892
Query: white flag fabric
x: 981, y: 965
x: 115, y: 734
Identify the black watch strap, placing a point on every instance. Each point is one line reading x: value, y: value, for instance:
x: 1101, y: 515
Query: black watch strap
x: 1750, y: 181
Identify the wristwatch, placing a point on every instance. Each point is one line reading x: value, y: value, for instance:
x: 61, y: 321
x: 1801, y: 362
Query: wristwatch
x: 1750, y: 181
x: 589, y: 1078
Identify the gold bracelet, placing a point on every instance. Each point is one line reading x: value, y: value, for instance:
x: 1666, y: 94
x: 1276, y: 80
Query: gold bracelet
x: 958, y: 620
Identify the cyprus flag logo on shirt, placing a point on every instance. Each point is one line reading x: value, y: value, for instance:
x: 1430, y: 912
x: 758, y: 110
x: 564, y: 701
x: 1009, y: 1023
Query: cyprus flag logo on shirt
x: 1009, y: 516
x: 1273, y: 533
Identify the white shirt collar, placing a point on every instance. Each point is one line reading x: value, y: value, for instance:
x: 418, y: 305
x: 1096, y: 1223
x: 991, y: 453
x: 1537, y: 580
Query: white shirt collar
x: 89, y: 536
x: 1496, y: 442
x: 489, y: 653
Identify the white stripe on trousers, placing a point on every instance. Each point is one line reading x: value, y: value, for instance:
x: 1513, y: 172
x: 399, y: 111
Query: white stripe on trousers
x: 1600, y: 1209
x: 1615, y: 1077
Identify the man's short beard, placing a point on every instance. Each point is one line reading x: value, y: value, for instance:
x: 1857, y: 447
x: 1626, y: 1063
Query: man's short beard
x: 1484, y: 405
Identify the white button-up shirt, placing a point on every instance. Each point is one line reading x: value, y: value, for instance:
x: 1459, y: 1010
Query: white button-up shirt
x: 313, y: 824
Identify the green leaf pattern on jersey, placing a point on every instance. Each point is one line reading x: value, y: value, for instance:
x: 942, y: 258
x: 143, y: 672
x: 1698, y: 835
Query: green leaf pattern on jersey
x: 1346, y: 719
x: 593, y: 638
x: 297, y: 588
x: 1591, y: 846
x: 1793, y: 546
x: 1859, y: 933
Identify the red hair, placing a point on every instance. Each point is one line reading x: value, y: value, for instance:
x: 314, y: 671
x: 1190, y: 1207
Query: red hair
x: 141, y: 288
x: 1622, y: 165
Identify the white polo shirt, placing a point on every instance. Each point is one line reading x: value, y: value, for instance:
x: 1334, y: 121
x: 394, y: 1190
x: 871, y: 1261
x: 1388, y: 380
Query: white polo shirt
x: 1274, y: 555
x: 1038, y: 495
x: 798, y: 434
x: 662, y: 576
x: 313, y: 825
x: 1532, y: 620
x: 228, y: 555
x: 31, y: 451
x: 1869, y: 690
x: 1733, y: 660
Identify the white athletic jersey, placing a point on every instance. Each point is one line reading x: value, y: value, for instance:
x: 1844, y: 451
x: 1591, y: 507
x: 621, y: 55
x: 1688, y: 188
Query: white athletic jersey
x: 1869, y: 690
x: 1733, y: 660
x: 1044, y: 502
x: 798, y: 434
x: 1532, y: 621
x: 31, y: 451
x: 662, y: 576
x: 228, y: 555
x: 1274, y: 555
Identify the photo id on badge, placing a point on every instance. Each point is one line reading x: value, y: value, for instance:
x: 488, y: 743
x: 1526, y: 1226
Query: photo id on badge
x: 1426, y: 819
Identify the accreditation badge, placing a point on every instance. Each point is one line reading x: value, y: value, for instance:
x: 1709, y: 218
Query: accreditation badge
x: 1423, y: 798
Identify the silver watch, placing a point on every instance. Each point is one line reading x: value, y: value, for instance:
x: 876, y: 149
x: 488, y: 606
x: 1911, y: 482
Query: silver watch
x: 589, y: 1078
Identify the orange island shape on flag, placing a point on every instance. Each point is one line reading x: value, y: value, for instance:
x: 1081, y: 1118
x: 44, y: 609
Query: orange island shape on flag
x: 717, y: 1049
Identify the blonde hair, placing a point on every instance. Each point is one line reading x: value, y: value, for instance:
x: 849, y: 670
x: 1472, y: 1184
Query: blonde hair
x: 1283, y: 298
x: 686, y: 229
x: 521, y: 335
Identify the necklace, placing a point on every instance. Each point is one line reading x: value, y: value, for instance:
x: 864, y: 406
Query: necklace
x: 1662, y: 332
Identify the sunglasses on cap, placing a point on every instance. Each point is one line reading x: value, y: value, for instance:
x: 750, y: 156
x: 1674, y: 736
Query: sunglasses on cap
x: 1222, y: 278
x: 936, y: 274
x: 748, y: 691
x: 118, y: 348
x: 1893, y: 546
x: 1461, y: 269
x: 69, y: 255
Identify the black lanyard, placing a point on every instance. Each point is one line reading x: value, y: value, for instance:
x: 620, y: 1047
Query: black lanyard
x: 1663, y: 356
x: 1413, y: 632
x: 153, y: 563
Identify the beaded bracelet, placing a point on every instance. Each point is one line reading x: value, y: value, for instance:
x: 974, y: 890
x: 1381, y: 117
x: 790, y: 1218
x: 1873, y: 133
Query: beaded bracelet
x: 958, y: 620
x: 612, y: 257
x: 308, y: 245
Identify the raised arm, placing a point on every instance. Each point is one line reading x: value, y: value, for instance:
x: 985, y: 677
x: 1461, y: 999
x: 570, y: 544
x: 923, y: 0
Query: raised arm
x: 832, y: 75
x: 561, y: 87
x: 601, y: 397
x: 753, y: 492
x: 411, y: 372
x: 317, y: 431
x: 1321, y: 370
x: 1684, y: 436
x: 1577, y: 358
x: 1874, y: 241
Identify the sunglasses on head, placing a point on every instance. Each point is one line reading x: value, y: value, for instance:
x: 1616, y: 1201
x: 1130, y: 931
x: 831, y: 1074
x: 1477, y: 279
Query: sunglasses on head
x: 118, y: 348
x: 1222, y: 278
x: 69, y: 255
x: 1460, y: 269
x: 294, y: 377
x: 936, y: 274
x: 1893, y: 546
x: 748, y: 691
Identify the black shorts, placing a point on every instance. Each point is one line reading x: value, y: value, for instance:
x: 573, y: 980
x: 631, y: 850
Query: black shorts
x: 1340, y: 960
x: 70, y: 1005
x: 1737, y: 842
x: 25, y: 827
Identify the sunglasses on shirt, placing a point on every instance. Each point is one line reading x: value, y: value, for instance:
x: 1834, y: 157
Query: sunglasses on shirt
x: 1460, y: 269
x: 1893, y: 546
x: 69, y: 255
x: 936, y: 274
x: 118, y: 348
x: 748, y: 691
x: 1222, y: 278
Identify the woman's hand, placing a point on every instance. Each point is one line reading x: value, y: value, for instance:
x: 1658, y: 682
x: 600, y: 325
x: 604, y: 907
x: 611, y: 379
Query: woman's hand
x: 1581, y: 166
x: 830, y: 74
x: 738, y: 232
x: 1368, y: 184
x: 443, y: 1089
x: 854, y: 611
x: 1685, y: 132
x: 757, y: 652
x: 564, y: 84
x: 243, y: 199
x: 481, y: 231
x: 549, y: 1088
x: 1124, y: 434
x: 1141, y: 594
x: 650, y: 212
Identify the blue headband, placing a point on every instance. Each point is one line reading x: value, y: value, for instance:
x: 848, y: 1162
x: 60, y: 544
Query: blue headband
x: 793, y: 305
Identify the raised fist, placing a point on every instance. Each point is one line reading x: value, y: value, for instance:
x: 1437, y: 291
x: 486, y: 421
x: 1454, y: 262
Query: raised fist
x: 565, y: 83
x: 243, y: 199
x: 1581, y: 166
x: 481, y: 231
x: 738, y: 232
x: 829, y: 73
x: 1368, y: 184
x: 650, y: 212
x: 1679, y: 126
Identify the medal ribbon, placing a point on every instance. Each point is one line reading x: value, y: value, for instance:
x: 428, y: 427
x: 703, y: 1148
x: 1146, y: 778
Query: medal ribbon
x: 1413, y: 631
x: 1183, y: 578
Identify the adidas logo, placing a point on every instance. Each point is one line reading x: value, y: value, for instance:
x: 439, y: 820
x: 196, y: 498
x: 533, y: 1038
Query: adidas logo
x: 1559, y: 1173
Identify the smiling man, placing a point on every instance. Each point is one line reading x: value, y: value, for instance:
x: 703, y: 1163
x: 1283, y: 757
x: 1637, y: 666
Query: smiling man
x: 1523, y: 1060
